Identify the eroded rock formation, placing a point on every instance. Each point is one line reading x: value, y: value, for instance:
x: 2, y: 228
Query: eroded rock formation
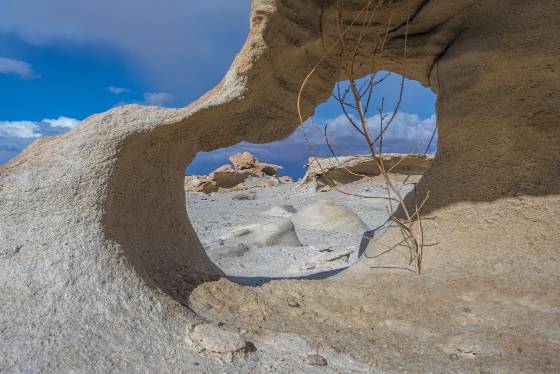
x: 244, y: 172
x: 348, y: 169
x: 98, y: 258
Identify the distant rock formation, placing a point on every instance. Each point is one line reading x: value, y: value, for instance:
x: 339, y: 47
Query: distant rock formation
x: 246, y: 172
x: 246, y: 161
x: 348, y: 169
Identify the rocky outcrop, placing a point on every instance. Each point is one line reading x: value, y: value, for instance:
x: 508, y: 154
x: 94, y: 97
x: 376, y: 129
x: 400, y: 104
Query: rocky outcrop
x: 101, y: 268
x: 348, y: 169
x: 246, y: 161
x: 244, y: 173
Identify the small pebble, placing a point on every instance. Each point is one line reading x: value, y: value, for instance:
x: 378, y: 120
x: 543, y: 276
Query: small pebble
x: 293, y: 303
x: 316, y: 360
x: 250, y: 347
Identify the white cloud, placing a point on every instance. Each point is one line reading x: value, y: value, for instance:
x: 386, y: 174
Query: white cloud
x: 17, y: 67
x: 62, y: 121
x: 158, y: 98
x: 16, y: 135
x: 30, y: 129
x: 19, y: 129
x: 117, y: 90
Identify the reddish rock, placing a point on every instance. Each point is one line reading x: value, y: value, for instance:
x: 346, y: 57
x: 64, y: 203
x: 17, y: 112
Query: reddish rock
x: 243, y: 161
x: 246, y: 161
x: 245, y: 173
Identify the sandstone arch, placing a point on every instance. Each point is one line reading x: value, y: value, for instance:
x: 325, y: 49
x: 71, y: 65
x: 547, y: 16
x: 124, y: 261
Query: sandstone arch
x: 96, y: 250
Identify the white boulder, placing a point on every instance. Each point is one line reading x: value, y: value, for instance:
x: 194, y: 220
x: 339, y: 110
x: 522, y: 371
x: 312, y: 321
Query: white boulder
x: 281, y: 211
x: 276, y: 233
x: 327, y: 215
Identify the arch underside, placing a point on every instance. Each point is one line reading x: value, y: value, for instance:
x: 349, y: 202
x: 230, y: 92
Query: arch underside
x: 106, y: 232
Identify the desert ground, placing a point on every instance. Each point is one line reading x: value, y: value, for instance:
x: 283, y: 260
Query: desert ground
x: 446, y: 320
x: 322, y: 252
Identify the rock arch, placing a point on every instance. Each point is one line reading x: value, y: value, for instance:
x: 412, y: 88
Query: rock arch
x: 97, y: 253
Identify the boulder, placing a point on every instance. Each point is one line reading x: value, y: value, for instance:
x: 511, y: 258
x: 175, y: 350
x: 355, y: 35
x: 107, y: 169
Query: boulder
x: 281, y: 211
x: 214, y: 339
x: 276, y: 233
x: 327, y: 215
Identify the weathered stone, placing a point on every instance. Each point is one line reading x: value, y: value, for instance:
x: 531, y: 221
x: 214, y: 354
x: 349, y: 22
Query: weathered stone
x: 243, y: 161
x: 315, y: 360
x: 293, y: 302
x: 246, y: 161
x: 327, y: 215
x: 214, y: 339
x: 276, y: 233
x: 348, y: 169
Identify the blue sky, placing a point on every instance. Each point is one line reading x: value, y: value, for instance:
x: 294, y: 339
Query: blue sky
x: 64, y: 60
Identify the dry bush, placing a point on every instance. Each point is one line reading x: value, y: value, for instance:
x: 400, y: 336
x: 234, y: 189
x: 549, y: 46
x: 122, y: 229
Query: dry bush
x: 355, y: 99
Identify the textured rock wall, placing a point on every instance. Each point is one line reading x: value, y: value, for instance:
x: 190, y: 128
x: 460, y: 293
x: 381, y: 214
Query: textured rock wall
x: 97, y: 253
x: 494, y: 182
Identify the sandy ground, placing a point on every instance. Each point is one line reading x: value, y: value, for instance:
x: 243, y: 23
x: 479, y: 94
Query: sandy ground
x: 450, y: 320
x: 215, y: 215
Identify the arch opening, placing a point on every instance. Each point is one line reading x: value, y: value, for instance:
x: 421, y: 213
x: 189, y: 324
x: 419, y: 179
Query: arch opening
x: 233, y: 205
